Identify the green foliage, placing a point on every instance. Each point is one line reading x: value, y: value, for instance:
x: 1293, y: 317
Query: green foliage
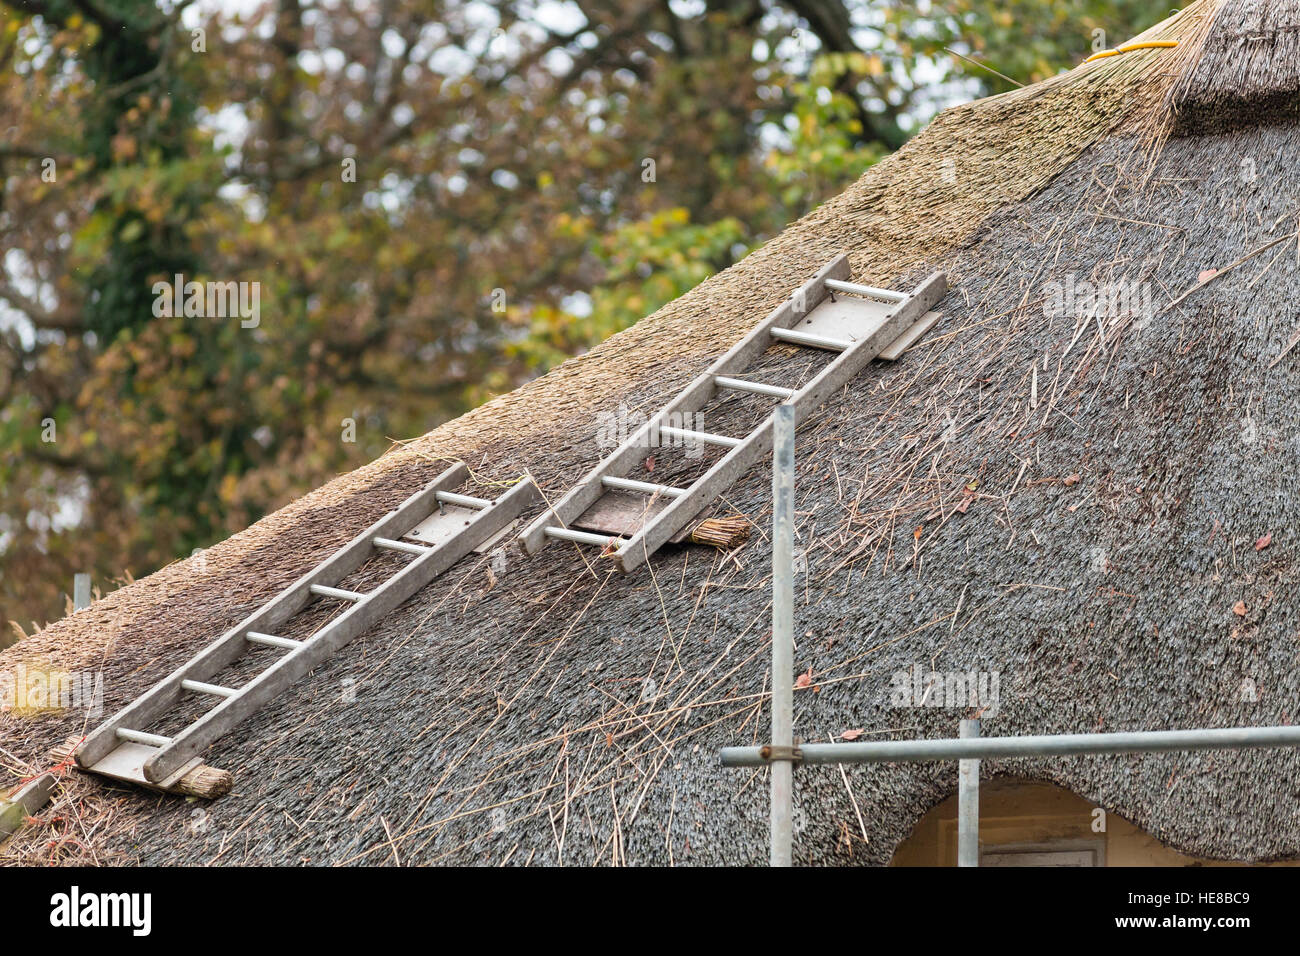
x: 827, y: 142
x: 1025, y: 40
x: 648, y: 263
x: 388, y: 185
x: 645, y: 264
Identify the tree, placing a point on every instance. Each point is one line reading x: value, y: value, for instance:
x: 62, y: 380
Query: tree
x: 434, y: 200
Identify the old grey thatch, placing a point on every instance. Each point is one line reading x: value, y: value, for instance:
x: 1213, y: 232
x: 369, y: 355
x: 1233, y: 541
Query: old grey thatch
x: 1073, y: 501
x: 1248, y: 69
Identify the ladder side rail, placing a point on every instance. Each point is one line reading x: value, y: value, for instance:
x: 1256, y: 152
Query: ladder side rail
x: 201, y: 734
x: 727, y: 470
x: 617, y: 464
x: 142, y: 711
x: 848, y: 363
x: 743, y: 354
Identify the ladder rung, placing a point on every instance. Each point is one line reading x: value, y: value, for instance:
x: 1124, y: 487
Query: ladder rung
x: 165, y: 759
x: 886, y: 294
x: 214, y: 689
x: 707, y: 437
x: 799, y: 319
x: 758, y: 388
x: 339, y: 593
x: 807, y: 338
x: 140, y: 737
x: 465, y: 501
x: 270, y: 640
x: 583, y: 537
x: 627, y: 484
x: 406, y: 546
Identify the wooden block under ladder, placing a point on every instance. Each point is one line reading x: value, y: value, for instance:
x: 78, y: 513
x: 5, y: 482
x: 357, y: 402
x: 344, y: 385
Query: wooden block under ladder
x: 896, y: 348
x: 122, y: 746
x: 126, y: 762
x: 856, y: 347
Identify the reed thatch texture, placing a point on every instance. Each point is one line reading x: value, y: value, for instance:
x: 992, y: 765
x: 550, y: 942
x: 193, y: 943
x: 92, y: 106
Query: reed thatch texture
x: 905, y: 209
x: 1074, y: 503
x: 1247, y: 71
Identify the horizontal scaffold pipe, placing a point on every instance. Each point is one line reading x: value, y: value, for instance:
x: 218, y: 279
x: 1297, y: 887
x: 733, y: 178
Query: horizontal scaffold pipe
x: 1048, y: 745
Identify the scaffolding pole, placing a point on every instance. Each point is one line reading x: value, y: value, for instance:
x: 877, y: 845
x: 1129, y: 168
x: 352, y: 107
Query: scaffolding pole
x: 970, y: 748
x: 968, y: 802
x: 80, y: 591
x: 1054, y: 745
x: 782, y: 635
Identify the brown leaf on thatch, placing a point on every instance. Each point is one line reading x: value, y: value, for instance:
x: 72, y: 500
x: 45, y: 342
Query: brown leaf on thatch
x: 1239, y: 609
x: 1264, y: 542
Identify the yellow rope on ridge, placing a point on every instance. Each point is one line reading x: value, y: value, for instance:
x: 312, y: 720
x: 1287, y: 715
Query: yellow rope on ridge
x: 1148, y: 45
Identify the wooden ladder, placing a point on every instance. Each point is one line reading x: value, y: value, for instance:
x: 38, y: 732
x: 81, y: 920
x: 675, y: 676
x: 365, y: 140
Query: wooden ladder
x: 860, y: 325
x: 122, y: 748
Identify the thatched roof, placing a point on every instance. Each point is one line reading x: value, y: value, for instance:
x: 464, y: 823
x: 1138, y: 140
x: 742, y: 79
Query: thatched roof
x: 1248, y: 69
x: 1075, y: 503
